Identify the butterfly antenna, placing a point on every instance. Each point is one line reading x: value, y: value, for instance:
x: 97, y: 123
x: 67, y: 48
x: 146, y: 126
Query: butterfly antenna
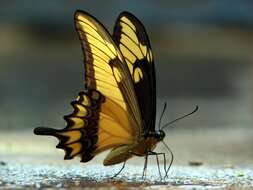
x: 171, y: 161
x: 167, y: 124
x: 164, y: 108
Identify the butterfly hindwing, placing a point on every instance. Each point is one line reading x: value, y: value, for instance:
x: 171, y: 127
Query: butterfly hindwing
x: 80, y: 136
x: 96, y: 124
x: 132, y: 39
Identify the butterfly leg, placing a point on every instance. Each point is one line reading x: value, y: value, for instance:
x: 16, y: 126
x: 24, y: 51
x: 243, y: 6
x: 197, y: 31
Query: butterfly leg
x: 123, y: 166
x: 166, y: 170
x: 145, y: 167
x: 158, y: 166
x: 164, y: 161
x: 157, y: 161
x: 171, y: 160
x: 145, y: 163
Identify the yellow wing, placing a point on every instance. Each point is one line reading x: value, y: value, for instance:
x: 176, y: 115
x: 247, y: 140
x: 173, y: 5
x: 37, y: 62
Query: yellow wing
x: 105, y: 68
x: 107, y: 115
x: 132, y: 39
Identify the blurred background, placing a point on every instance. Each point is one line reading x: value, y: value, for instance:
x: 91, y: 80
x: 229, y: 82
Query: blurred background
x: 203, y: 56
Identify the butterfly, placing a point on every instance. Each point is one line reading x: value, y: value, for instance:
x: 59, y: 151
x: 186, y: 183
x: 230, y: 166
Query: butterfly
x: 117, y: 110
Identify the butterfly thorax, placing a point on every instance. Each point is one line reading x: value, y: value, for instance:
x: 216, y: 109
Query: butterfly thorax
x: 148, y: 142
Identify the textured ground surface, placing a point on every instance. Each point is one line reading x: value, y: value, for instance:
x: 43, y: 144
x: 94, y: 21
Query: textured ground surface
x: 74, y: 176
x: 225, y: 158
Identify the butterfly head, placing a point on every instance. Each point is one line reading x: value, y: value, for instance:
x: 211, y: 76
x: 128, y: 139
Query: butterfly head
x: 160, y: 134
x: 157, y: 135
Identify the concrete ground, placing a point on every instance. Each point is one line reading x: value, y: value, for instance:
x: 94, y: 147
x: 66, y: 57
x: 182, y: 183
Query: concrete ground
x: 204, y: 159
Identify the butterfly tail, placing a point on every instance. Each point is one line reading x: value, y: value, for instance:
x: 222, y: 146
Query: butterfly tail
x: 45, y: 131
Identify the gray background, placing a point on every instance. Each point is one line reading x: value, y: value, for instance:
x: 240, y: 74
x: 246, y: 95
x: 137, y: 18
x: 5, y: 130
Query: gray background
x: 203, y: 56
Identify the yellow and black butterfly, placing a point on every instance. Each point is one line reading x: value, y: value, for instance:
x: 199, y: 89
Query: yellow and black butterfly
x: 118, y: 109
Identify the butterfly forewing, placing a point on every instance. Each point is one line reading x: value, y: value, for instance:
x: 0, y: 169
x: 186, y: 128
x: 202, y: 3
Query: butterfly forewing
x: 105, y: 68
x: 131, y: 38
x: 106, y: 71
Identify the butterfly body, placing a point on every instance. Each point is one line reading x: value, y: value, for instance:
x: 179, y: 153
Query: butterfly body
x: 123, y: 153
x: 117, y: 111
x: 144, y: 146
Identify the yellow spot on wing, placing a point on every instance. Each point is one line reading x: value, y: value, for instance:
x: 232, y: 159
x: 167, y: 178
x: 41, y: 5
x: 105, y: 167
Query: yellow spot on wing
x: 73, y: 136
x: 82, y: 111
x: 137, y: 75
x: 85, y: 100
x: 78, y: 122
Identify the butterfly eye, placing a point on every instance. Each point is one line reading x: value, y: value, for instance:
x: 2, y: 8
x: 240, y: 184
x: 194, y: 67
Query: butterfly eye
x: 162, y: 134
